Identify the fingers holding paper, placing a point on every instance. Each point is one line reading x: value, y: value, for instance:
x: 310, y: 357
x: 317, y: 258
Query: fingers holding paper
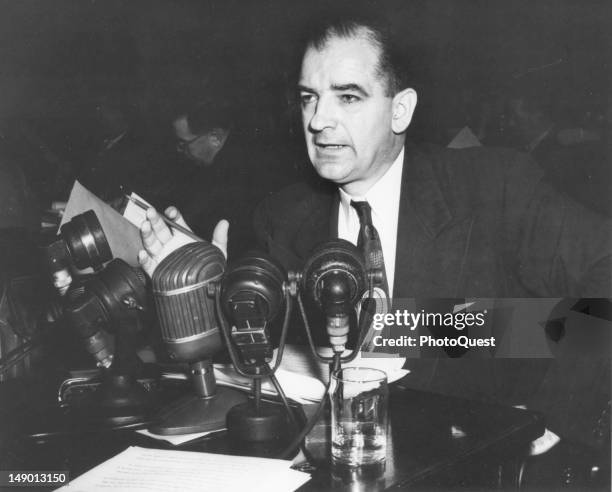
x: 159, y: 240
x: 175, y: 216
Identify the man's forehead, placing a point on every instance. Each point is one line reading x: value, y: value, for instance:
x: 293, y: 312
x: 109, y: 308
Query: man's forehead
x: 340, y: 62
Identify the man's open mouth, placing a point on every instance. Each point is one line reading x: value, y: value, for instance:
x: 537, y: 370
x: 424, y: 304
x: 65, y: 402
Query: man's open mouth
x: 330, y: 146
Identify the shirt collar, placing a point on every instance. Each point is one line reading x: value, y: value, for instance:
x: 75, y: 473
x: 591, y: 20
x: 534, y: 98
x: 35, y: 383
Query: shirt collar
x: 380, y: 195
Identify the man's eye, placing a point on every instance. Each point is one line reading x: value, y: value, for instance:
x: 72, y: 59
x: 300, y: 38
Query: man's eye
x: 349, y: 98
x: 307, y: 98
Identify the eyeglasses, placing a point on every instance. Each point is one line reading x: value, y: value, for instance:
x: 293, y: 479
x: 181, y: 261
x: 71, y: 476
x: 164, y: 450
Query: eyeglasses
x: 182, y: 145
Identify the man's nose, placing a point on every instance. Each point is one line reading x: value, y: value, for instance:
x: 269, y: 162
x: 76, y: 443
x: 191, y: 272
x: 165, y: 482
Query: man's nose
x: 323, y: 117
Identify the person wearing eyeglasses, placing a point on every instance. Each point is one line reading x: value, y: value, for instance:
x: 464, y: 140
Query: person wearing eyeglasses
x: 202, y: 133
x: 224, y: 169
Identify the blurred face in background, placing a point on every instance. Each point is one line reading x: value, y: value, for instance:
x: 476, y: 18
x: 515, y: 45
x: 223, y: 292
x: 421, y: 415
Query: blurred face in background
x: 200, y: 149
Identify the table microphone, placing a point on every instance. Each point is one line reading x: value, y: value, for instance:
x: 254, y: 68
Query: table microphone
x: 251, y: 295
x: 108, y: 302
x: 334, y: 277
x: 98, y: 306
x: 183, y: 291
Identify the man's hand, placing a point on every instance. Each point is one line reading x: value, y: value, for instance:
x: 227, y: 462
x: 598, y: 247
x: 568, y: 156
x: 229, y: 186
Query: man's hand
x: 159, y: 240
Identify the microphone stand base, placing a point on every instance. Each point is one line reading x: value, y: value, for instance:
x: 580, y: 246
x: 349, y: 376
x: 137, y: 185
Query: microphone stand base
x: 197, y: 414
x: 247, y: 423
x: 119, y: 402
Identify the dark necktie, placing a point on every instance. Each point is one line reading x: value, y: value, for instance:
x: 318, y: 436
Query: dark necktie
x: 369, y: 243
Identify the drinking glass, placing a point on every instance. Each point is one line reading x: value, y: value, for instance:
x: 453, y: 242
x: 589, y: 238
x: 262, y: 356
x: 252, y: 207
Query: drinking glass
x: 359, y: 400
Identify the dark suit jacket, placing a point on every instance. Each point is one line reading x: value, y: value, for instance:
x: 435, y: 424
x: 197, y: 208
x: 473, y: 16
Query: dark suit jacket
x: 473, y: 223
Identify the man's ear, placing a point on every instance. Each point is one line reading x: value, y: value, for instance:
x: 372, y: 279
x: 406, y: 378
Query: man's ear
x: 404, y: 103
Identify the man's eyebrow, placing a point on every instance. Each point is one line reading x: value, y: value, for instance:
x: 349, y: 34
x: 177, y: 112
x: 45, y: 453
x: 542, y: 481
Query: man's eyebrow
x: 350, y: 87
x: 337, y: 88
x: 303, y: 88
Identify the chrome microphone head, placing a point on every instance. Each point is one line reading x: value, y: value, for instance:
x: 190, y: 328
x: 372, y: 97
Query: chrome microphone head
x: 184, y: 304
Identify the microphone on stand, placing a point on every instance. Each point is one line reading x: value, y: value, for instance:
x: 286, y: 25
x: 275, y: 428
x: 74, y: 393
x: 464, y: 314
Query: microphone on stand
x: 334, y: 278
x: 81, y: 244
x: 82, y: 312
x: 108, y: 302
x: 251, y: 295
x: 183, y: 290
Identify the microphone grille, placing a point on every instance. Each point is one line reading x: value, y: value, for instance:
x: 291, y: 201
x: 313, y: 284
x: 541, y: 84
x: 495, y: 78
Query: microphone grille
x: 335, y: 256
x: 185, y: 309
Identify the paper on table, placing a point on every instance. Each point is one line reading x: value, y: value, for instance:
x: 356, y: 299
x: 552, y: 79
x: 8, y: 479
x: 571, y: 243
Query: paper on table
x: 184, y: 471
x: 299, y: 359
x: 300, y: 388
x: 123, y: 237
x: 302, y: 377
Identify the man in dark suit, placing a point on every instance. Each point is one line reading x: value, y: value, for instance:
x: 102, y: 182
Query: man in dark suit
x: 452, y: 223
x: 467, y: 223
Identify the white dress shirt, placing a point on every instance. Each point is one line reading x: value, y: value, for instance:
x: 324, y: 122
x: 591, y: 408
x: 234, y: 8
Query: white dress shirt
x: 384, y: 199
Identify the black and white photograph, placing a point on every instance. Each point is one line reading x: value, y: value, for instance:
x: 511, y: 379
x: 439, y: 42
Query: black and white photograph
x: 301, y: 245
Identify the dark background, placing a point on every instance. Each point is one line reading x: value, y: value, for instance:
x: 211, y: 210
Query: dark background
x: 58, y: 58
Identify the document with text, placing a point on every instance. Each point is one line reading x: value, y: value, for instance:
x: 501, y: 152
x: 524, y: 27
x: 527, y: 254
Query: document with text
x: 141, y: 469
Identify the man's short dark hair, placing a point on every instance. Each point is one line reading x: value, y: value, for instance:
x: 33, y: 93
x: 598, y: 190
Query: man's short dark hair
x: 391, y: 64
